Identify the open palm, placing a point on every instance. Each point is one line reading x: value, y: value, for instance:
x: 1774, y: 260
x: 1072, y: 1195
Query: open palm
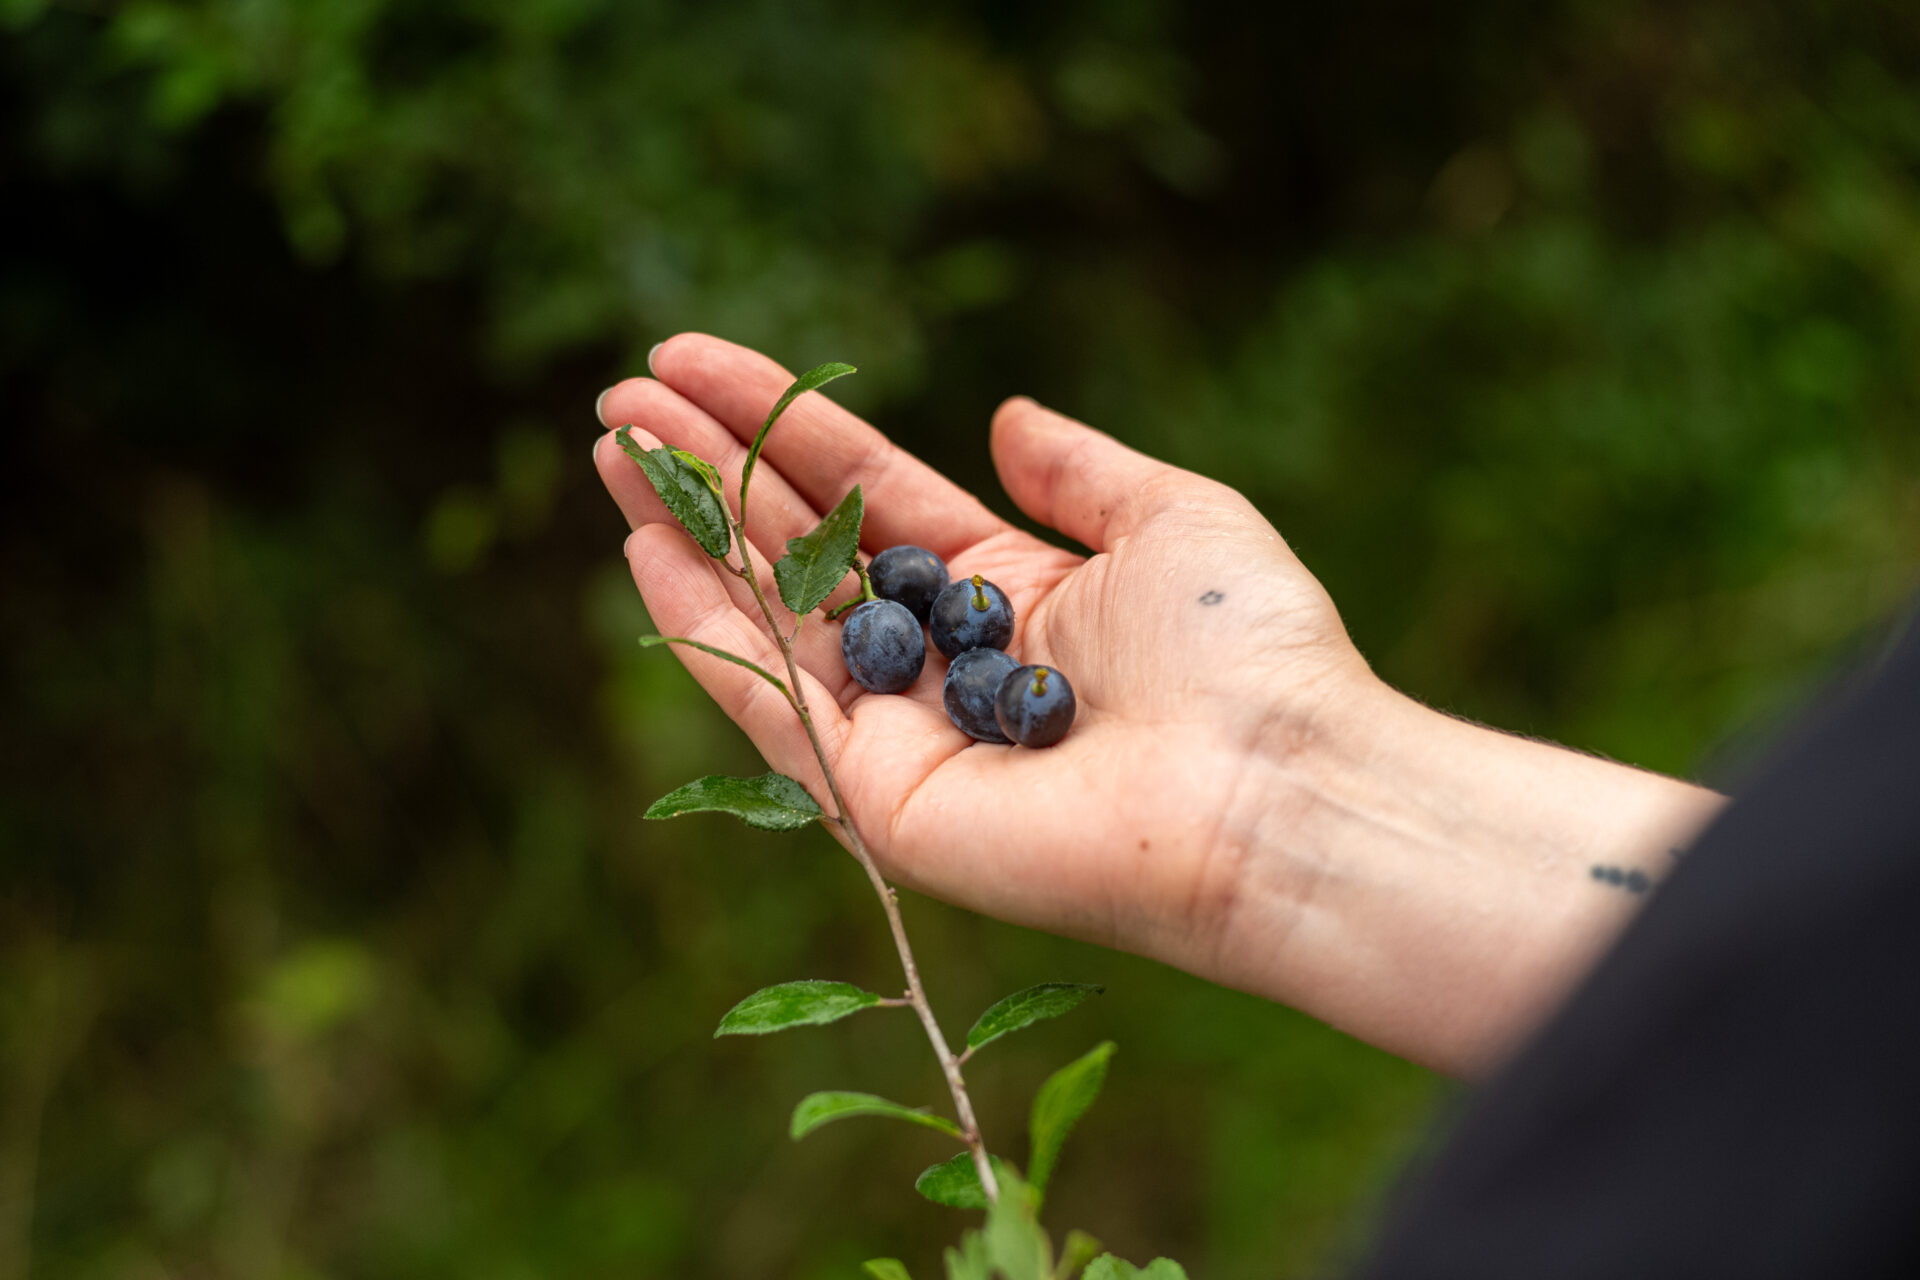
x: 1197, y: 644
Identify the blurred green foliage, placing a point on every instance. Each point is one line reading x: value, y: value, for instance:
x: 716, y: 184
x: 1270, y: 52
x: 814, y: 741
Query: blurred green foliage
x: 1572, y: 344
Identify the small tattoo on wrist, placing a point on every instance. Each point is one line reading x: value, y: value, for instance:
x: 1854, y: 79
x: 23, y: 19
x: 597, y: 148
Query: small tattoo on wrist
x: 1631, y: 879
x: 1212, y: 598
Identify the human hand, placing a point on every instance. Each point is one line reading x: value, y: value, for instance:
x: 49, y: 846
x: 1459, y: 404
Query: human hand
x: 1240, y: 796
x: 1200, y: 649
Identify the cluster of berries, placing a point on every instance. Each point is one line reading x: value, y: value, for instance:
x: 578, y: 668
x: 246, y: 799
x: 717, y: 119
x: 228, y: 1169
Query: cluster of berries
x: 987, y: 694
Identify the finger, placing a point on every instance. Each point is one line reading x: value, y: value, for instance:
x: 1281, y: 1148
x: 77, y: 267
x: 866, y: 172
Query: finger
x: 1083, y: 482
x: 824, y: 450
x: 778, y: 512
x: 628, y: 486
x: 685, y: 596
x: 816, y: 648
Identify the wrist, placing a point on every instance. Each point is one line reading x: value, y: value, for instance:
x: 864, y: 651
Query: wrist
x: 1423, y: 883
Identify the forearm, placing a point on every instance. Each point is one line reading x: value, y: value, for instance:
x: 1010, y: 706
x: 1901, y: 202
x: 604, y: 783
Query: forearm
x: 1434, y: 887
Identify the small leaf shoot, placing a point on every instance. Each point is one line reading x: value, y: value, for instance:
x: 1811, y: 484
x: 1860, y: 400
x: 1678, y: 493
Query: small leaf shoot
x: 816, y: 377
x: 1062, y: 1100
x: 1079, y: 1249
x: 795, y: 1004
x: 818, y: 561
x: 1024, y: 1008
x: 686, y: 492
x: 703, y: 468
x: 969, y: 1260
x: 956, y: 1182
x: 817, y: 1109
x: 1108, y: 1267
x: 1016, y: 1246
x: 771, y: 802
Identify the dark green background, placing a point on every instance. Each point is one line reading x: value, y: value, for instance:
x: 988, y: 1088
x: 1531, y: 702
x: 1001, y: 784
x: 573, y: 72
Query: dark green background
x: 1573, y: 345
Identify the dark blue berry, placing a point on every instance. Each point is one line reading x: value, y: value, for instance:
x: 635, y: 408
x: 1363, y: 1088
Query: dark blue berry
x: 972, y: 682
x: 912, y: 576
x: 1034, y: 706
x: 971, y: 614
x: 883, y: 646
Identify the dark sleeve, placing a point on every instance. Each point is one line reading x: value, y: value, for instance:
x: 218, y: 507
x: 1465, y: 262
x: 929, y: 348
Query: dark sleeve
x: 1735, y: 1089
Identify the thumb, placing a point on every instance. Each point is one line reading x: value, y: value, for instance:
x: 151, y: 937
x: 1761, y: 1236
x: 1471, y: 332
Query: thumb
x: 1080, y: 481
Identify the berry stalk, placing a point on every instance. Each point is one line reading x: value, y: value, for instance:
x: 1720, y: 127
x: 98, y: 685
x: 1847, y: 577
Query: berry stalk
x: 866, y: 592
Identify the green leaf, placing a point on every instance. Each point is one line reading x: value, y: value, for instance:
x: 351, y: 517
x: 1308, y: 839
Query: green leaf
x: 794, y: 1004
x: 885, y: 1269
x: 817, y: 1109
x: 956, y: 1183
x: 703, y: 467
x: 1024, y: 1008
x: 771, y: 802
x: 1062, y: 1100
x: 817, y: 562
x: 1016, y: 1246
x: 819, y: 376
x: 648, y: 642
x: 969, y: 1261
x: 1108, y: 1267
x: 685, y: 490
x: 1077, y: 1252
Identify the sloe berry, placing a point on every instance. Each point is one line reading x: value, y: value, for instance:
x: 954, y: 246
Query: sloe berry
x: 883, y: 647
x: 913, y: 576
x: 972, y: 682
x: 1034, y: 706
x: 971, y: 614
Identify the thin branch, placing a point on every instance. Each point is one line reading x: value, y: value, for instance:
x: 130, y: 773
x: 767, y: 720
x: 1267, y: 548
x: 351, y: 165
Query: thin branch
x: 889, y: 900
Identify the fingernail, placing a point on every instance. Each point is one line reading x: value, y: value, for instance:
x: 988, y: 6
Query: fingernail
x: 600, y: 400
x: 650, y: 355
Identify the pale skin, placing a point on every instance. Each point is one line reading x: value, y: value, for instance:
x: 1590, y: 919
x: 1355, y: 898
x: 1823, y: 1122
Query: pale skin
x: 1240, y: 797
